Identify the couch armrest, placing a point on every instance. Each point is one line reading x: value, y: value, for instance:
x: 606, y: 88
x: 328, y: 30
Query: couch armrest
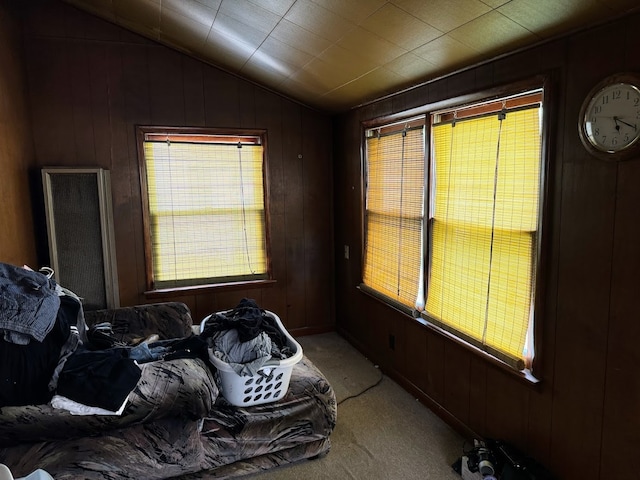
x: 167, y: 319
x: 181, y: 389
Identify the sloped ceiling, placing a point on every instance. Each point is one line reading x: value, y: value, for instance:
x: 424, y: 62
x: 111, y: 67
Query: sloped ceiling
x: 337, y: 54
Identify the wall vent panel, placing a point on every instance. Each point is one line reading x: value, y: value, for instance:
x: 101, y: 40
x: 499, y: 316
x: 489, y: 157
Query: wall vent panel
x: 80, y: 233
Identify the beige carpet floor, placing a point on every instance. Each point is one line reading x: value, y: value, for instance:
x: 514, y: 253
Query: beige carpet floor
x: 382, y: 432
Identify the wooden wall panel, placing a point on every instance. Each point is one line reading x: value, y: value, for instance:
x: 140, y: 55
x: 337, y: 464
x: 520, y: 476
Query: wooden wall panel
x: 125, y: 180
x: 221, y: 98
x: 436, y: 367
x: 621, y: 423
x: 294, y: 213
x: 246, y: 104
x: 268, y: 115
x: 480, y: 399
x: 91, y: 83
x: 17, y: 241
x: 457, y: 368
x: 506, y: 405
x: 50, y: 101
x: 81, y: 103
x: 588, y: 194
x: 194, y: 115
x: 318, y: 223
x: 621, y: 415
x: 165, y: 87
x: 415, y: 351
x: 581, y: 421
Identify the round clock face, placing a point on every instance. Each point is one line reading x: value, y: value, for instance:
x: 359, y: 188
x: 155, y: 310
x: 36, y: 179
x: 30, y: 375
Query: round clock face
x: 611, y: 119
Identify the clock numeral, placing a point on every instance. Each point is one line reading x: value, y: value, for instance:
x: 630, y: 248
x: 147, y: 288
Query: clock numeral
x: 597, y: 109
x: 605, y: 99
x: 636, y: 101
x: 596, y: 132
x: 614, y: 141
x: 616, y: 94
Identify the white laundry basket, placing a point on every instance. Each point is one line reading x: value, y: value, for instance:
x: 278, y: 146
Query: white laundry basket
x: 268, y: 385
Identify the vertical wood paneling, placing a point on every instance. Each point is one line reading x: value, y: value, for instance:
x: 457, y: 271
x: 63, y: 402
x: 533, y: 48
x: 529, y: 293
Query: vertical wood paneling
x: 621, y: 424
x: 126, y: 180
x: 101, y: 112
x: 415, y: 351
x: 506, y: 404
x: 193, y: 92
x: 621, y: 416
x: 588, y: 194
x: 247, y: 105
x: 480, y: 397
x: 457, y: 368
x: 318, y: 224
x: 221, y: 99
x: 83, y: 139
x: 166, y: 90
x: 294, y: 214
x: 52, y: 119
x: 17, y: 241
x: 435, y: 367
x: 269, y: 116
x: 582, y: 312
x: 117, y: 154
x: 516, y: 67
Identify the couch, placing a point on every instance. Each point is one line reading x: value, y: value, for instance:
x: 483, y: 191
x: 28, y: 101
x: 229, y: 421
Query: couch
x: 176, y: 424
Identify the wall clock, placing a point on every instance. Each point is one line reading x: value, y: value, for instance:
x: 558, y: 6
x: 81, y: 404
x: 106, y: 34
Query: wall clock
x: 609, y: 125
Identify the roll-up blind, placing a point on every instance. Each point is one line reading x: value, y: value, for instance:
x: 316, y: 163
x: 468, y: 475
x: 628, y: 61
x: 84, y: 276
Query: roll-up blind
x: 484, y: 229
x: 206, y: 209
x: 394, y: 214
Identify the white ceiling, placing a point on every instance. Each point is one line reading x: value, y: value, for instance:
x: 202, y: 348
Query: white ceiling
x: 337, y: 54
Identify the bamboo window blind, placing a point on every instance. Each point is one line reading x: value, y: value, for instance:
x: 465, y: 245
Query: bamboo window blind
x: 206, y: 208
x: 484, y: 221
x: 394, y: 213
x: 475, y: 260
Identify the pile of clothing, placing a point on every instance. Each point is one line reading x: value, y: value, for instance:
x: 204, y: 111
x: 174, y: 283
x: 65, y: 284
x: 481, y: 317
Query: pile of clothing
x: 245, y: 338
x: 46, y: 352
x: 41, y: 325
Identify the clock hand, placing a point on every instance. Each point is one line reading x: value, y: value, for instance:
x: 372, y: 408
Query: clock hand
x: 615, y: 119
x: 628, y: 124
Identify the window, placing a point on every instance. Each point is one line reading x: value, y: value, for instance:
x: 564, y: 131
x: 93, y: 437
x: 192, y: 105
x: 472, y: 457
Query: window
x: 394, y: 211
x: 204, y: 206
x: 482, y: 204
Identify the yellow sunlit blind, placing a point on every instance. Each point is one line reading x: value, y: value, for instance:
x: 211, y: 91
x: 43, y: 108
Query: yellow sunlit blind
x: 394, y: 215
x: 206, y: 208
x: 484, y: 229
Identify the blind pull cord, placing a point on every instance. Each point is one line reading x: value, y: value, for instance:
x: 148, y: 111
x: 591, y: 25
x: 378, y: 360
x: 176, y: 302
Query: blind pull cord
x: 244, y: 212
x: 501, y: 116
x: 173, y: 217
x: 404, y: 138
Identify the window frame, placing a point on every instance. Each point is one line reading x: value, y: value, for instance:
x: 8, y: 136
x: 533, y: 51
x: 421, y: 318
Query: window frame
x: 544, y: 82
x: 155, y: 291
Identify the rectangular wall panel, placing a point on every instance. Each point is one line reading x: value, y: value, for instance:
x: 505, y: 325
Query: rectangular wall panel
x: 80, y: 233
